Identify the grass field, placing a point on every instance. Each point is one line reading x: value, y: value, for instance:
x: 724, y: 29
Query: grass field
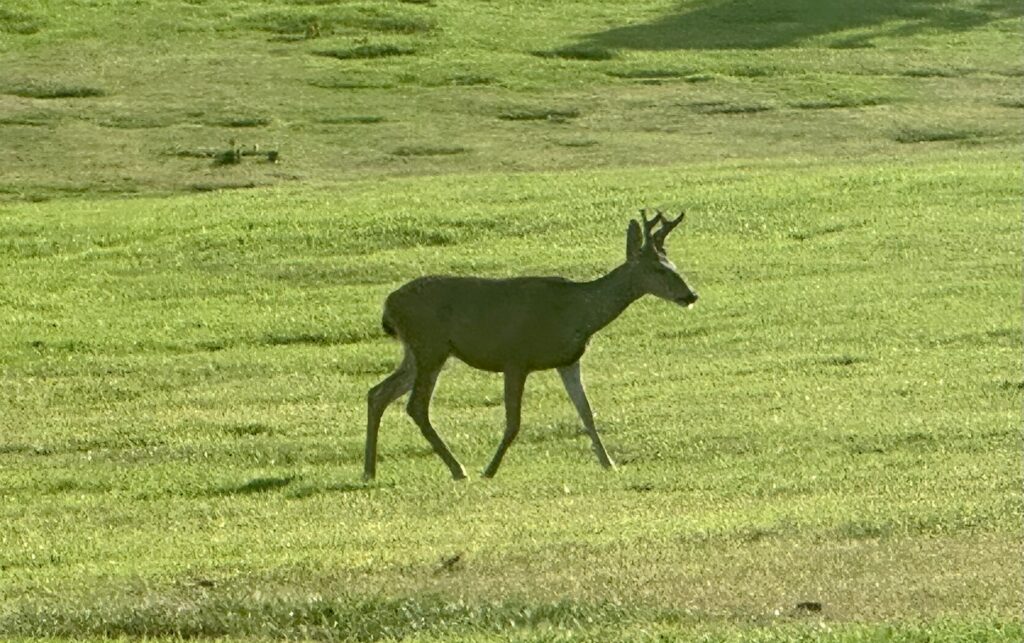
x: 203, y: 205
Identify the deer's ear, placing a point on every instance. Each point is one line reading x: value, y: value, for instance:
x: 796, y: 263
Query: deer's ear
x: 634, y: 240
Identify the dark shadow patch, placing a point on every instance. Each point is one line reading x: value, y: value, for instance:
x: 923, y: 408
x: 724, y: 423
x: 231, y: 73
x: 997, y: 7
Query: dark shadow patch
x: 248, y: 430
x: 755, y: 534
x: 286, y: 339
x: 351, y: 120
x: 742, y: 24
x: 844, y: 102
x: 349, y: 83
x: 551, y: 114
x: 808, y: 606
x: 579, y: 143
x: 62, y: 346
x: 723, y: 107
x: 225, y: 185
x: 76, y: 485
x: 471, y: 80
x: 936, y: 134
x: 875, y: 445
x: 700, y: 78
x: 53, y: 90
x: 753, y: 71
x: 1016, y: 387
x: 935, y: 72
x: 26, y: 449
x: 312, y: 339
x: 212, y: 346
x: 307, y: 491
x: 297, y: 25
x: 136, y: 121
x: 429, y: 150
x: 241, y: 121
x: 842, y: 360
x: 1008, y: 337
x: 367, y: 52
x: 30, y: 119
x: 22, y: 24
x: 823, y: 231
x: 859, y: 530
x: 650, y: 74
x: 256, y: 485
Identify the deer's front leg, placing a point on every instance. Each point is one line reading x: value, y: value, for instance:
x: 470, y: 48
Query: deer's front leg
x: 574, y: 386
x: 514, y: 383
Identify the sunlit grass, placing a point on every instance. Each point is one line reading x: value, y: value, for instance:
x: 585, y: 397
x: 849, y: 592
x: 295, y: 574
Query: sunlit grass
x: 834, y: 423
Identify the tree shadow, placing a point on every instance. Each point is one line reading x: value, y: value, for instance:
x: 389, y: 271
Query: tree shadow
x: 767, y: 24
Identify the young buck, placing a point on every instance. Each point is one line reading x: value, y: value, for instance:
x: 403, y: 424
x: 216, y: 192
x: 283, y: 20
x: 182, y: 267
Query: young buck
x: 514, y: 326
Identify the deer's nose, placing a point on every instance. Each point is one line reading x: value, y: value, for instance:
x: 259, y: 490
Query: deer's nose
x: 688, y: 299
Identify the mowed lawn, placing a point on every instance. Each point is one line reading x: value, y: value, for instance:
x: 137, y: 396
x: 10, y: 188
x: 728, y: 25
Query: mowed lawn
x: 826, y: 447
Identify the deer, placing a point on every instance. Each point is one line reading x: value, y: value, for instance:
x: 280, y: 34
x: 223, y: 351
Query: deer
x: 514, y: 326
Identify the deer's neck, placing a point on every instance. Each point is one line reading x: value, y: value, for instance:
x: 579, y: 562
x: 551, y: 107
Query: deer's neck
x: 606, y: 297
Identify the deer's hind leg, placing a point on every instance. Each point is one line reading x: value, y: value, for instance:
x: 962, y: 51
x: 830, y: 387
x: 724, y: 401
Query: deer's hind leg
x: 574, y: 387
x: 393, y: 387
x: 427, y: 371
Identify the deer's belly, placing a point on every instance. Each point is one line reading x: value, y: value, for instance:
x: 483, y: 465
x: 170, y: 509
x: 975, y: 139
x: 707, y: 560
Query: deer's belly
x: 523, y: 353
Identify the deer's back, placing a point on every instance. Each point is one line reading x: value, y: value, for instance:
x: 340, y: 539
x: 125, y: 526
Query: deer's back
x: 491, y: 324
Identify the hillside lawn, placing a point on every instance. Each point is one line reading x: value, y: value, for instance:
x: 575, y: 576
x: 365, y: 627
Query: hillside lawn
x: 204, y: 203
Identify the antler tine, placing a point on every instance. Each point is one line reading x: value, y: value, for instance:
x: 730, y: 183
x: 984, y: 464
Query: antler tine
x: 666, y: 227
x: 649, y: 225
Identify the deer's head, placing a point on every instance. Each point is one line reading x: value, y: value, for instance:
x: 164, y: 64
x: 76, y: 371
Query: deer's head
x: 653, y: 272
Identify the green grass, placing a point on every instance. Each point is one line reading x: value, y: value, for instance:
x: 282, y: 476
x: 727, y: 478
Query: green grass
x: 827, y: 447
x: 178, y: 76
x: 836, y: 421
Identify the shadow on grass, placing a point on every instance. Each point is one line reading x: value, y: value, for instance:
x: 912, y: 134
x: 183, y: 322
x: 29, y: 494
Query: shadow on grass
x: 297, y: 491
x: 747, y: 24
x: 256, y: 485
x: 339, y: 487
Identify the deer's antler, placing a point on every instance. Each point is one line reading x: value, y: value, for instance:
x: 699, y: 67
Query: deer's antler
x: 666, y: 227
x: 649, y: 225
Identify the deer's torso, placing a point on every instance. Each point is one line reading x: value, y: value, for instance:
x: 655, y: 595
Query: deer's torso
x: 528, y: 323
